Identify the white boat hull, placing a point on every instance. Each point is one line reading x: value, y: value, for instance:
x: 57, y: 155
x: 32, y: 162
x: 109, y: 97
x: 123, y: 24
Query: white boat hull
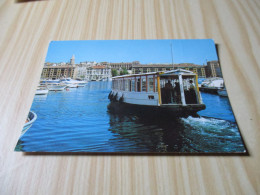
x: 41, y: 92
x: 56, y: 88
x: 72, y: 85
x: 148, y: 102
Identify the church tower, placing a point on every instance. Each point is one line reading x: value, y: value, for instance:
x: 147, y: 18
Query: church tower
x: 72, y: 60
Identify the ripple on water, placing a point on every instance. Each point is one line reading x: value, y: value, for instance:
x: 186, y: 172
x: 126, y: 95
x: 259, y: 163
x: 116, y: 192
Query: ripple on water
x: 78, y: 121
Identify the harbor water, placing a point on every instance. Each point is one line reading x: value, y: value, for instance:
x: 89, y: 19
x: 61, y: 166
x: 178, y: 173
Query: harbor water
x: 78, y: 120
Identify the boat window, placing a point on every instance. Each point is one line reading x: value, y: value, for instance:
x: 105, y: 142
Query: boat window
x: 114, y: 84
x: 150, y: 86
x: 143, y: 84
x: 126, y: 85
x: 121, y: 85
x: 133, y: 85
x: 138, y: 83
x: 156, y: 84
x: 129, y: 83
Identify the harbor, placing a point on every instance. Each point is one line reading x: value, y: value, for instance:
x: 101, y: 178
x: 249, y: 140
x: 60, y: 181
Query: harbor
x: 78, y: 120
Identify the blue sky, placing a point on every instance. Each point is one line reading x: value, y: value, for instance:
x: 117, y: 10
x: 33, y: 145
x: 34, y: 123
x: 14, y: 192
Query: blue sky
x: 195, y: 51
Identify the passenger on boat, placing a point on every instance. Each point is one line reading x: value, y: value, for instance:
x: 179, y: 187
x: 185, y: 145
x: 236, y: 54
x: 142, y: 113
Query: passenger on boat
x: 177, y: 93
x: 191, y: 94
x: 169, y: 92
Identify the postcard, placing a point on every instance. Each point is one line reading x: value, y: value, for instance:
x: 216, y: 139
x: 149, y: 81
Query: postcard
x: 132, y: 96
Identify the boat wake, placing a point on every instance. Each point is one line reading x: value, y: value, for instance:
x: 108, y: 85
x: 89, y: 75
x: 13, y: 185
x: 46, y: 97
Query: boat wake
x: 212, y: 134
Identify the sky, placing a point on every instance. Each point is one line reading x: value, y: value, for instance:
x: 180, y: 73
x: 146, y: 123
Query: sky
x: 196, y: 51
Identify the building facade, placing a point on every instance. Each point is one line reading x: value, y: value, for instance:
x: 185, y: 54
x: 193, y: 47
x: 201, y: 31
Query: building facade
x: 93, y: 73
x: 121, y: 65
x: 59, y: 70
x: 198, y: 69
x: 213, y: 69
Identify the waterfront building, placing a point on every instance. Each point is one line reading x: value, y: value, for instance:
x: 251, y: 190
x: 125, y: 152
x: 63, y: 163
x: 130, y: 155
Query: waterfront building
x: 200, y: 70
x: 146, y: 68
x: 121, y: 65
x: 94, y: 73
x: 59, y: 70
x: 213, y: 69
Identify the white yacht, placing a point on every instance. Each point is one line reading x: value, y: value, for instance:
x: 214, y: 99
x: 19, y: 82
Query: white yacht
x: 73, y: 83
x: 212, y: 85
x: 41, y: 90
x: 56, y: 87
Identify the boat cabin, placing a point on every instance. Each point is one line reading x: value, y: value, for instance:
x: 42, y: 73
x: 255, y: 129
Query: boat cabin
x: 176, y: 87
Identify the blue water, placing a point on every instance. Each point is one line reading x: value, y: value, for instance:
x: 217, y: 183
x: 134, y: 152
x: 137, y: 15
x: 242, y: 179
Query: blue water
x: 78, y: 121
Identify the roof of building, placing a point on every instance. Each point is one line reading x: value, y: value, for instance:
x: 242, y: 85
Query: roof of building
x: 98, y: 67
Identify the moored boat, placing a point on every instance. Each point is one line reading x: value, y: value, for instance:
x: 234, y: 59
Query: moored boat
x: 173, y: 92
x: 29, y: 121
x: 222, y: 92
x: 212, y: 85
x: 56, y: 87
x: 72, y: 83
x: 41, y: 91
x: 49, y: 81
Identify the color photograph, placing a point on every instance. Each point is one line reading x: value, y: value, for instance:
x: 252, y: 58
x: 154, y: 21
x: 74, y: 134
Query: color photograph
x: 132, y: 96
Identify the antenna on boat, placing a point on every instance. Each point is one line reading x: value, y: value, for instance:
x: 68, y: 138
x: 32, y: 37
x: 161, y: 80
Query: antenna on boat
x: 171, y: 53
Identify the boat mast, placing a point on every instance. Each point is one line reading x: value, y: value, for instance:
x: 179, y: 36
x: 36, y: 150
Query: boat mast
x: 171, y: 54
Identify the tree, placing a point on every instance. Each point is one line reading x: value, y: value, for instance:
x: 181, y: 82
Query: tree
x: 114, y: 72
x: 123, y: 71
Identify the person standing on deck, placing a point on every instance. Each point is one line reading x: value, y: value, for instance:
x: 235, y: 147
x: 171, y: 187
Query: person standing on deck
x: 192, y: 93
x: 168, y: 91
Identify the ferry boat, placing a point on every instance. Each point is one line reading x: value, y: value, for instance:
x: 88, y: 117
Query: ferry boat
x: 173, y: 92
